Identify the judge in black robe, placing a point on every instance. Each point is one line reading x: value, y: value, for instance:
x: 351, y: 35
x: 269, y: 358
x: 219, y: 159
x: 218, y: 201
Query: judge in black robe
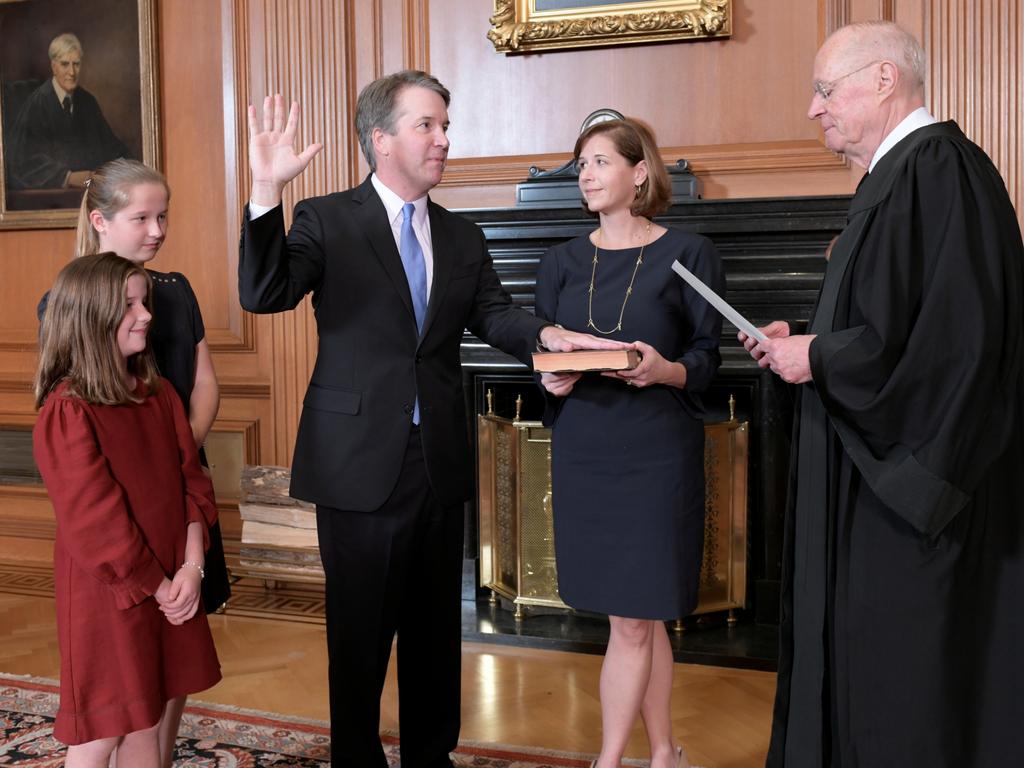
x: 903, y: 567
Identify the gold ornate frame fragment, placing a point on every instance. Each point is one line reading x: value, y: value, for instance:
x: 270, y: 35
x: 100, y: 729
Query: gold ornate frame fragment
x: 523, y: 26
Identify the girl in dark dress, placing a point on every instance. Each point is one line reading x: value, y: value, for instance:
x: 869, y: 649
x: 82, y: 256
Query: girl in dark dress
x: 627, y: 446
x: 133, y: 509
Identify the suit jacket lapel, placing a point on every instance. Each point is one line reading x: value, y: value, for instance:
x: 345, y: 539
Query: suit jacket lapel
x: 444, y: 262
x: 372, y: 217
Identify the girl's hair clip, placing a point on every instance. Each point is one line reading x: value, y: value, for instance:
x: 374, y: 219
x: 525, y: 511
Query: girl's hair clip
x: 88, y: 182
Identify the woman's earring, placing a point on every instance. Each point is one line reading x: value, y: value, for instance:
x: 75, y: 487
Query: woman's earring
x: 637, y: 191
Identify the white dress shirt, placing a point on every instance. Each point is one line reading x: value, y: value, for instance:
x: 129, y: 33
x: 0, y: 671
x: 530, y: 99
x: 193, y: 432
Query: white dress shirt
x: 420, y: 224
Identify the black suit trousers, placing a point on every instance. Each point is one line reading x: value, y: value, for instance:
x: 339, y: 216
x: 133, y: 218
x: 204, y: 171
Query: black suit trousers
x: 394, y: 569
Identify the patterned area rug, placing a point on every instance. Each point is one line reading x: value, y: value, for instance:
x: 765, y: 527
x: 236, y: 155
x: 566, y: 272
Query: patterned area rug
x: 214, y: 736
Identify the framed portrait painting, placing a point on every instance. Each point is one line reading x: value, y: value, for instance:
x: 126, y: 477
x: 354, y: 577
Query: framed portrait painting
x: 525, y: 26
x: 77, y: 88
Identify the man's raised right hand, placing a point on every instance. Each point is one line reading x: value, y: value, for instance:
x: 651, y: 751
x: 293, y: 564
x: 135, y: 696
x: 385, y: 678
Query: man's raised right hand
x: 272, y: 156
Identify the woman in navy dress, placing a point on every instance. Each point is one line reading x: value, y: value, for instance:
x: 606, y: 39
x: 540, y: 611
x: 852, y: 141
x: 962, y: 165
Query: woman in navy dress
x: 628, y: 446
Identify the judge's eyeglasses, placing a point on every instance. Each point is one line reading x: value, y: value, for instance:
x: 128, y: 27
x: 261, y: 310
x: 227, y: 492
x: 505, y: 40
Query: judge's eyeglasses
x: 825, y: 88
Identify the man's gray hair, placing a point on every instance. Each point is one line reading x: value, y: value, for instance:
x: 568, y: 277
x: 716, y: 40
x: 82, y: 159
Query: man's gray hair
x: 377, y: 105
x: 888, y: 40
x: 62, y: 44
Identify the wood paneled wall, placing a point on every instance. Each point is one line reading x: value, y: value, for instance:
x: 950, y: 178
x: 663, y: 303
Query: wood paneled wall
x: 734, y: 107
x: 976, y: 59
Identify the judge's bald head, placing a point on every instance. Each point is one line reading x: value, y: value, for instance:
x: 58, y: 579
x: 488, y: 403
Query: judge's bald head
x: 867, y: 77
x: 882, y: 40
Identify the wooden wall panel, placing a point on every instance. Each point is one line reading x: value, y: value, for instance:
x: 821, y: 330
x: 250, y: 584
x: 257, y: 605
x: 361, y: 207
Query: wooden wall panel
x: 192, y: 109
x: 976, y: 57
x: 301, y: 50
x: 735, y: 108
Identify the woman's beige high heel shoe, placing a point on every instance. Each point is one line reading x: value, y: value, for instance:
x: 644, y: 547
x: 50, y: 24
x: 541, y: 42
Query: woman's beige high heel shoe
x: 680, y: 755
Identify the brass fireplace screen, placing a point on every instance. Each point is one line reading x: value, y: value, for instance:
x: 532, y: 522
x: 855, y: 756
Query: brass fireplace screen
x: 517, y: 548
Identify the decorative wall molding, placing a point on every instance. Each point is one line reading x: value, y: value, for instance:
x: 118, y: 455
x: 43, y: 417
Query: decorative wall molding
x: 837, y: 14
x: 26, y: 512
x: 231, y: 445
x: 767, y: 157
x: 241, y: 337
x: 16, y: 384
x: 251, y: 390
x: 20, y: 340
x: 976, y: 77
x: 416, y: 31
x: 307, y: 52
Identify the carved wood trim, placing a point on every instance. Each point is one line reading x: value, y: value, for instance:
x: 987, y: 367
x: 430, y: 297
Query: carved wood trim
x: 240, y: 336
x: 767, y: 157
x: 20, y: 340
x: 416, y: 29
x: 17, y: 419
x: 249, y: 390
x: 14, y: 383
x: 26, y: 513
x: 975, y: 77
x: 352, y: 151
x: 219, y: 339
x: 837, y: 14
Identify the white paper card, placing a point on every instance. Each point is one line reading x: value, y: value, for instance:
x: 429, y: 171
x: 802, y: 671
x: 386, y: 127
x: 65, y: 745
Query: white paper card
x: 718, y: 302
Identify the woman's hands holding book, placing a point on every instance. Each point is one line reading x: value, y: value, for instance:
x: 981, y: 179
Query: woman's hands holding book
x: 653, y: 369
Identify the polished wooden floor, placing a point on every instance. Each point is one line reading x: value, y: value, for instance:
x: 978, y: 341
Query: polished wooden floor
x: 512, y: 696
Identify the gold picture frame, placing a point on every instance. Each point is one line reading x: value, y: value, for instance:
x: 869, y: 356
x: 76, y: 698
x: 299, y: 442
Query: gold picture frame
x: 117, y: 91
x: 526, y: 26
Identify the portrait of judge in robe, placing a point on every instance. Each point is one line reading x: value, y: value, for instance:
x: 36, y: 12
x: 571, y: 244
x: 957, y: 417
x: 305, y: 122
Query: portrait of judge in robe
x: 71, y: 99
x: 60, y: 134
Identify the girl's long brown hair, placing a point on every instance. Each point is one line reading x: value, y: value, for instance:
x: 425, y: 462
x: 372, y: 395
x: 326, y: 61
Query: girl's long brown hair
x: 78, y: 341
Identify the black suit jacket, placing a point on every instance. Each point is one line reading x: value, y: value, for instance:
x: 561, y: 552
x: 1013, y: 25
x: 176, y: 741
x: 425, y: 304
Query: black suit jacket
x: 371, y: 363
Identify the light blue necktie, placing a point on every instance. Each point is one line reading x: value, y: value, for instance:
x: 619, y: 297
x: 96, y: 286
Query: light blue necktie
x: 416, y: 274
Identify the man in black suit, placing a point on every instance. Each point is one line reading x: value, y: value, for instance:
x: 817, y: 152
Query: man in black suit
x: 382, y: 445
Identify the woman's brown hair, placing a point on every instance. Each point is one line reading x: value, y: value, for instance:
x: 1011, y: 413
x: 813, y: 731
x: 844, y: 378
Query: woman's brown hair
x: 635, y: 142
x: 108, y: 191
x: 78, y: 341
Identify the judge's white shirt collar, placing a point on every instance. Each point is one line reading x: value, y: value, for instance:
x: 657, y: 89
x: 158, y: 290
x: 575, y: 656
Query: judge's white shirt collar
x: 61, y: 93
x: 919, y: 118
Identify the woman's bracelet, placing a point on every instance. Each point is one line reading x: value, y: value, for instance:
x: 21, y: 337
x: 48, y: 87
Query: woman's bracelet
x: 197, y: 566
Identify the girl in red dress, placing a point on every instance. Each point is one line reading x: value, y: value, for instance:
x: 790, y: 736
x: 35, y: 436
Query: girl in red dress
x: 133, y: 510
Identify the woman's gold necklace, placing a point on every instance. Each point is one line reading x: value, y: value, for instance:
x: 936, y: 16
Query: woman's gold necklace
x: 629, y: 289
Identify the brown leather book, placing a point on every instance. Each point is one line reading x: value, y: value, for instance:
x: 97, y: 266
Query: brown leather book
x: 586, y: 360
